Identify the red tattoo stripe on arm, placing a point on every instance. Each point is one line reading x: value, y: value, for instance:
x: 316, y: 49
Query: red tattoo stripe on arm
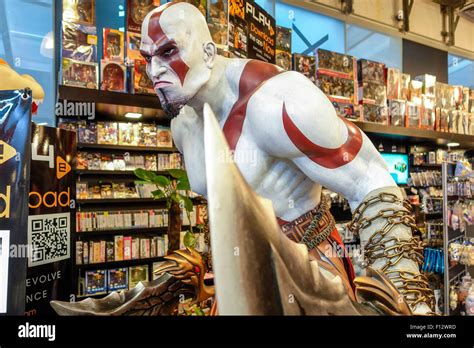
x: 325, y: 157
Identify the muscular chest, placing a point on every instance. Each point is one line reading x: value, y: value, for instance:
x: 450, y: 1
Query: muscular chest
x: 252, y: 162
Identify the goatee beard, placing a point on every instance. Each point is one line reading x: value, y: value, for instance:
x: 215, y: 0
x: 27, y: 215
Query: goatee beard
x: 171, y: 108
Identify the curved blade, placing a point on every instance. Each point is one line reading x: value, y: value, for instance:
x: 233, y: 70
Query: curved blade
x: 147, y: 299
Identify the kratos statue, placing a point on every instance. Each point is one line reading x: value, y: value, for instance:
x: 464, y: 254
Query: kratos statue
x: 288, y: 142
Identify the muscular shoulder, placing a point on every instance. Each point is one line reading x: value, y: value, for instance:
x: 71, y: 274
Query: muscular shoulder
x: 291, y: 96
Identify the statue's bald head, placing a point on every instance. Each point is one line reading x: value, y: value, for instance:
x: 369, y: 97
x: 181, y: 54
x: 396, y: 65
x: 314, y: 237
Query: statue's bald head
x: 179, y: 21
x: 179, y: 51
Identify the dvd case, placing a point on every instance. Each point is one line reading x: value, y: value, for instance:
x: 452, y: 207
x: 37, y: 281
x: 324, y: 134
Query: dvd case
x: 113, y: 44
x: 397, y: 112
x: 79, y: 42
x: 164, y: 138
x: 114, y: 76
x: 405, y: 86
x: 372, y: 93
x: 370, y: 71
x: 429, y: 84
x: 141, y: 82
x: 95, y: 282
x: 133, y: 47
x: 87, y: 133
x: 393, y: 84
x: 413, y: 115
x: 283, y: 48
x: 138, y: 274
x: 218, y: 14
x: 337, y: 88
x: 107, y: 133
x: 79, y: 11
x: 374, y: 113
x: 137, y: 11
x: 80, y: 74
x: 117, y: 279
x: 333, y: 63
x: 305, y: 65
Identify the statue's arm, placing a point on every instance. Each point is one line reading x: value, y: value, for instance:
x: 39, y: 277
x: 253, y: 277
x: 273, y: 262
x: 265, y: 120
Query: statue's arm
x: 303, y: 127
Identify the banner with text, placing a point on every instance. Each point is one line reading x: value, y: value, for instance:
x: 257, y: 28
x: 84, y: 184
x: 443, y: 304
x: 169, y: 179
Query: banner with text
x: 52, y: 208
x: 15, y: 119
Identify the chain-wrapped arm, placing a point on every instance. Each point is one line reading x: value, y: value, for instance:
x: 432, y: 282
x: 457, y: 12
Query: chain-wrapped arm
x: 385, y: 224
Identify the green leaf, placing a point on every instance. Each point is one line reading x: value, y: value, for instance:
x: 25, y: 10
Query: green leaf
x: 158, y: 194
x: 189, y: 240
x: 177, y: 173
x: 183, y: 184
x: 187, y: 202
x: 145, y: 175
x: 161, y: 180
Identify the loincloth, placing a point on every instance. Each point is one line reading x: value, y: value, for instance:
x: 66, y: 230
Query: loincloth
x: 317, y: 230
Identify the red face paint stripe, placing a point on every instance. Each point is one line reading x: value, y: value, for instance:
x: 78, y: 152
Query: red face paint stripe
x: 155, y: 32
x: 255, y: 73
x: 325, y: 157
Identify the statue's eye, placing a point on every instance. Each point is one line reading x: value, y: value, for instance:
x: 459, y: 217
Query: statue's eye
x: 169, y: 52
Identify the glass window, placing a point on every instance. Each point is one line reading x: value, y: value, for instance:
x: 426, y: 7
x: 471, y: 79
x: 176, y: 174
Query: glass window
x: 460, y: 71
x: 27, y: 44
x: 368, y: 44
x: 267, y: 5
x: 310, y: 30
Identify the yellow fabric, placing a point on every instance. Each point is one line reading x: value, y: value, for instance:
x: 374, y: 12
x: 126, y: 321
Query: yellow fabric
x: 11, y: 80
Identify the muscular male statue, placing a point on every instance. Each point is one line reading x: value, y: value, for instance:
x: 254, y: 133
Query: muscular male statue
x: 288, y: 142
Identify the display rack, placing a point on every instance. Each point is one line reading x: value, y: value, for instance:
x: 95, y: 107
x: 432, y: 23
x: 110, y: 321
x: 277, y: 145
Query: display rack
x: 111, y: 106
x: 452, y: 274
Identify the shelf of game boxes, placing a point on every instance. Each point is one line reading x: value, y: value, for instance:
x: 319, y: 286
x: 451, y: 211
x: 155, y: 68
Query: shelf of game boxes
x: 119, y: 202
x: 82, y: 146
x: 415, y: 135
x: 71, y: 93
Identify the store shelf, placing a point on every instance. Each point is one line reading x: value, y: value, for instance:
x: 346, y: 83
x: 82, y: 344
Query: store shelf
x: 126, y: 148
x: 106, y: 97
x: 84, y: 172
x: 122, y: 263
x: 415, y: 135
x: 129, y: 231
x: 114, y: 105
x: 426, y: 166
x: 118, y: 201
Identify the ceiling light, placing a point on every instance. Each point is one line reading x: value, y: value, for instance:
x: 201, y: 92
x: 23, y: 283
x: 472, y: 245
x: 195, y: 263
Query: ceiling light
x: 453, y: 144
x: 133, y: 115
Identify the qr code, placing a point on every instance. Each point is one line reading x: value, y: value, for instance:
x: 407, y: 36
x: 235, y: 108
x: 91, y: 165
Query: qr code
x: 49, y: 238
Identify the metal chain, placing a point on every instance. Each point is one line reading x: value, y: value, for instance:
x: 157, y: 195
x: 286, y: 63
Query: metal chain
x: 312, y: 239
x: 380, y: 246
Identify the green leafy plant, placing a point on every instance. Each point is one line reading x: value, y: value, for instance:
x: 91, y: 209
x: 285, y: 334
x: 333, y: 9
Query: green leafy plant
x: 167, y: 189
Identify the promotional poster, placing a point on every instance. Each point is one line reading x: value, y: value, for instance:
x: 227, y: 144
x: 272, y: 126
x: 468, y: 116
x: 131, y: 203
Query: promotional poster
x: 15, y: 118
x: 52, y: 204
x: 238, y: 33
x: 261, y: 33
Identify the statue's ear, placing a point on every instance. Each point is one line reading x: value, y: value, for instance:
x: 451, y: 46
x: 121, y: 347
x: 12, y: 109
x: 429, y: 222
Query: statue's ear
x: 210, y: 53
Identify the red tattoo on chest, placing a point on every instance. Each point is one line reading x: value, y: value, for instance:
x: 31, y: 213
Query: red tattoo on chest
x: 255, y: 73
x: 325, y: 157
x: 156, y: 34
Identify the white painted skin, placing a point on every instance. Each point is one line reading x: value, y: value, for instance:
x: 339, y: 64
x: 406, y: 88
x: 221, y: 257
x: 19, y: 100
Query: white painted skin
x: 269, y: 161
